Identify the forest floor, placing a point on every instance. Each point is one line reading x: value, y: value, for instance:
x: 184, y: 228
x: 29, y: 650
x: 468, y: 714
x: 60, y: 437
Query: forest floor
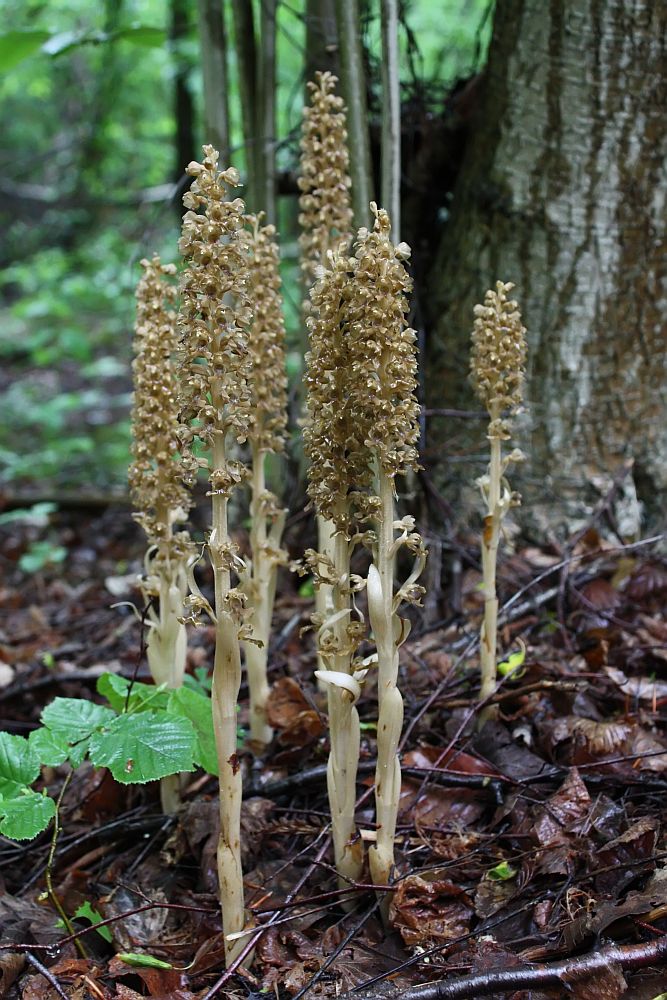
x: 531, y: 856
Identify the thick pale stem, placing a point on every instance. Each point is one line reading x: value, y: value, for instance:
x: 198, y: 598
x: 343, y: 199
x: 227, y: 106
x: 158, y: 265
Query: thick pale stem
x: 224, y: 694
x: 490, y: 540
x: 166, y: 645
x: 323, y: 594
x: 261, y: 593
x: 390, y: 715
x: 344, y: 730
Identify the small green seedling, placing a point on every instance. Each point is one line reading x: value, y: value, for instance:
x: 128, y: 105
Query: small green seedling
x: 501, y: 873
x: 512, y: 666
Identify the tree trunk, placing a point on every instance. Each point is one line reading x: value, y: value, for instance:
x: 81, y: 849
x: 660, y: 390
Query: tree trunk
x: 562, y: 192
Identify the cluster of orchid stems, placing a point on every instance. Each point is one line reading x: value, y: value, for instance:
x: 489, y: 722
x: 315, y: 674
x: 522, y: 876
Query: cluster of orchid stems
x: 226, y: 387
x: 360, y: 433
x: 497, y: 365
x: 210, y: 381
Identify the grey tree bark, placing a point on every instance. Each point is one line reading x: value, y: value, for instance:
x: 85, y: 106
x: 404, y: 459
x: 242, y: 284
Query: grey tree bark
x: 563, y: 192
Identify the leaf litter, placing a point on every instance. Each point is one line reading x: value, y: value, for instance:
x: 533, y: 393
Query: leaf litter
x: 538, y: 840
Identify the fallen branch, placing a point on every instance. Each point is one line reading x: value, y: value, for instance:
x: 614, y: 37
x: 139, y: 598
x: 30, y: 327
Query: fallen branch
x: 564, y: 973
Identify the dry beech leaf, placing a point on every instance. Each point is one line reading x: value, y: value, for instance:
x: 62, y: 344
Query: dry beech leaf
x: 647, y: 580
x: 638, y: 687
x: 430, y: 910
x: 289, y: 711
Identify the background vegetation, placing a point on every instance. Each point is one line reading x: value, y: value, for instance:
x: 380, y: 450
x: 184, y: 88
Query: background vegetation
x: 91, y: 182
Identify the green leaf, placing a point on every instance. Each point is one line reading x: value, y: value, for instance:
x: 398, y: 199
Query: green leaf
x: 502, y: 872
x: 197, y: 708
x: 87, y: 912
x: 143, y: 697
x: 15, y: 46
x: 307, y: 588
x: 511, y: 665
x: 27, y: 815
x: 142, y: 961
x: 19, y: 764
x: 143, y: 34
x: 74, y: 720
x: 49, y: 747
x: 144, y: 747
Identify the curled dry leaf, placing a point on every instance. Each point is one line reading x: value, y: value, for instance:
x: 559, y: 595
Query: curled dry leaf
x: 289, y: 712
x: 428, y: 911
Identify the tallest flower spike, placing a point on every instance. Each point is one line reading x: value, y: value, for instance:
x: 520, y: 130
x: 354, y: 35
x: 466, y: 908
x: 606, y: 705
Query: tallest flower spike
x: 215, y: 375
x: 383, y: 362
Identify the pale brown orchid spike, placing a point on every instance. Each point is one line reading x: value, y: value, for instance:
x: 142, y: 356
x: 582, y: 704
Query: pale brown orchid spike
x: 326, y: 220
x: 497, y: 368
x: 325, y: 209
x: 267, y: 431
x: 215, y: 380
x: 383, y: 401
x: 156, y: 485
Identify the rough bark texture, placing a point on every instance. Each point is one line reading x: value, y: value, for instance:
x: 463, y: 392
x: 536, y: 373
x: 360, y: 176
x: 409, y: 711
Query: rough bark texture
x: 563, y: 192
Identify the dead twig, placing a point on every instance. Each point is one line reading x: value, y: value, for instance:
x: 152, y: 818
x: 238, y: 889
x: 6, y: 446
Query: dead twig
x: 564, y: 973
x: 43, y: 971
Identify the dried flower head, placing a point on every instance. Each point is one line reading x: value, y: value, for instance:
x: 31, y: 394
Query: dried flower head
x: 326, y: 213
x: 361, y: 377
x: 498, y: 352
x: 154, y: 476
x: 214, y: 317
x: 268, y: 380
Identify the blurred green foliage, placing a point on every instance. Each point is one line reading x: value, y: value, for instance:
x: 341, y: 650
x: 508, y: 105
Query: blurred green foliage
x: 87, y: 188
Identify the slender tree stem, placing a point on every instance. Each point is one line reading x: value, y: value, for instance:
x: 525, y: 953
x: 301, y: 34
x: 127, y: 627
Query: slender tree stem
x: 224, y: 693
x: 213, y: 45
x: 266, y: 117
x: 391, y: 117
x: 353, y: 80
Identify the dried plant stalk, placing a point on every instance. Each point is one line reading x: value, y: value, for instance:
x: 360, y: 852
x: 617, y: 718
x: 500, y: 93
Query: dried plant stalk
x: 156, y: 485
x: 266, y: 434
x: 215, y: 373
x: 497, y: 366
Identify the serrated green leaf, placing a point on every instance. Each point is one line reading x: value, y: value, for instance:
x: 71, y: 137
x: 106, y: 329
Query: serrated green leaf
x: 27, y: 815
x: 18, y: 762
x: 143, y: 697
x: 197, y: 708
x: 73, y: 720
x: 15, y: 46
x: 144, y: 747
x: 87, y: 912
x: 142, y: 961
x: 502, y: 872
x: 50, y: 748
